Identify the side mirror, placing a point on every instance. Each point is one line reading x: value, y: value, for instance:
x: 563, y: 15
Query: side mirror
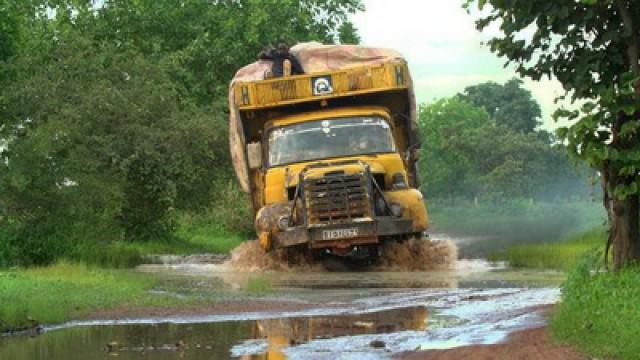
x: 254, y: 155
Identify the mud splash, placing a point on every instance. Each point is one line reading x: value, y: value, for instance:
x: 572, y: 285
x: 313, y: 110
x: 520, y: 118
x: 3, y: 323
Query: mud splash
x: 250, y: 257
x: 417, y: 254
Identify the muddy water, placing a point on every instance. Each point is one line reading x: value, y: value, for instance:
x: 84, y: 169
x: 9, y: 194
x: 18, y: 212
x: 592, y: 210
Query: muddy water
x: 416, y: 254
x: 343, y: 315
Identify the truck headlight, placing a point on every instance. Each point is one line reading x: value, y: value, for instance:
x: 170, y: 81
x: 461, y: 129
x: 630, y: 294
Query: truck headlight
x: 398, y: 182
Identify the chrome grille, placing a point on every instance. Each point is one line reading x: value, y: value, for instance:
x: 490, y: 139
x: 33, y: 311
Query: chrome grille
x: 337, y: 199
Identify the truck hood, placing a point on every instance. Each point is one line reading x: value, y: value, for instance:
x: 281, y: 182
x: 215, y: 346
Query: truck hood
x: 292, y: 172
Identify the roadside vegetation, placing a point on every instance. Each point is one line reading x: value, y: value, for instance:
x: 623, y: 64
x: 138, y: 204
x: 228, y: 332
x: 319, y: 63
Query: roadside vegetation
x: 599, y: 311
x: 564, y: 254
x: 65, y: 291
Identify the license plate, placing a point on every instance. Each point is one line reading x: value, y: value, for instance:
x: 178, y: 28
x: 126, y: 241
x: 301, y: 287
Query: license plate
x: 339, y: 234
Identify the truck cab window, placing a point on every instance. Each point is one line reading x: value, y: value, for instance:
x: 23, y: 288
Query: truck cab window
x: 329, y: 138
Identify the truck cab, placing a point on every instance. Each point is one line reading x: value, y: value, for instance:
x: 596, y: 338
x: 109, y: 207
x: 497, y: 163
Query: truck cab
x: 330, y: 159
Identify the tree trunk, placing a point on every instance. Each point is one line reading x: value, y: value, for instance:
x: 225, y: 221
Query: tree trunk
x: 625, y: 221
x: 623, y: 214
x: 633, y: 46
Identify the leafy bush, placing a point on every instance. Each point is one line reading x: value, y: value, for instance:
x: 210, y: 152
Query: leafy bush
x: 30, y: 245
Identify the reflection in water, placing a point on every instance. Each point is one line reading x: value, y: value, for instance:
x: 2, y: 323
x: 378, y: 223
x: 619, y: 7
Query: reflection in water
x: 204, y: 341
x: 281, y: 333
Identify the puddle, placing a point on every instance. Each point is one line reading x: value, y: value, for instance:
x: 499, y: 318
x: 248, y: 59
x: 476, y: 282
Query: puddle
x: 207, y: 340
x: 345, y: 315
x: 373, y: 327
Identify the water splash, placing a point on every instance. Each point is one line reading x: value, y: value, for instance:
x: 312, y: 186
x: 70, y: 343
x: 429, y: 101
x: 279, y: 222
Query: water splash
x: 416, y: 254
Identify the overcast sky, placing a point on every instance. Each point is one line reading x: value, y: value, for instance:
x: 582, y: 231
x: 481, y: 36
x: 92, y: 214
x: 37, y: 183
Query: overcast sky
x: 443, y: 48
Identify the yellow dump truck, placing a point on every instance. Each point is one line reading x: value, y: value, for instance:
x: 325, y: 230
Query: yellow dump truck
x: 328, y: 157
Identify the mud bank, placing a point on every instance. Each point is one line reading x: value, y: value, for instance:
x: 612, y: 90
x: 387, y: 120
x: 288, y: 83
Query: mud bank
x: 530, y: 344
x: 410, y: 255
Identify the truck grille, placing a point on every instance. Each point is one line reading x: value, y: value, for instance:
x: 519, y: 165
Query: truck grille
x: 337, y: 199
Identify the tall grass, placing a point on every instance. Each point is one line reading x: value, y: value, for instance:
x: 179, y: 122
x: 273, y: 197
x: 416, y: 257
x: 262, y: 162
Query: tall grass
x: 58, y: 293
x: 558, y: 255
x: 600, y: 312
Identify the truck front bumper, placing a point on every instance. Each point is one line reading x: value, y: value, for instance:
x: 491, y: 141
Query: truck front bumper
x: 343, y: 235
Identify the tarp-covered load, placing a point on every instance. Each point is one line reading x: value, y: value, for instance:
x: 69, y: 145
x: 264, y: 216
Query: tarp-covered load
x: 314, y: 58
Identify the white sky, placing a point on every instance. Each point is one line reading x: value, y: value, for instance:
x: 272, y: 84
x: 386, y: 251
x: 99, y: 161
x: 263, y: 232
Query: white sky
x: 443, y: 48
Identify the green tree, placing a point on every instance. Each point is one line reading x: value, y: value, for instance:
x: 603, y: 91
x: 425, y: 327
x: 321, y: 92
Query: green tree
x: 593, y: 48
x: 446, y: 170
x: 207, y: 42
x: 468, y: 154
x: 8, y: 30
x: 509, y: 104
x: 115, y: 116
x: 113, y: 147
x: 348, y: 34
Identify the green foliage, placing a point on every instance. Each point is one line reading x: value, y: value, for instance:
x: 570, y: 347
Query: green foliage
x: 348, y: 34
x: 592, y: 48
x: 599, y: 311
x: 444, y: 170
x: 509, y: 104
x: 113, y: 123
x: 9, y: 30
x: 559, y: 254
x: 206, y: 43
x: 112, y: 147
x: 466, y: 153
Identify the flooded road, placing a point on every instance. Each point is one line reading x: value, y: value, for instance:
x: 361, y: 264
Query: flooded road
x: 335, y: 315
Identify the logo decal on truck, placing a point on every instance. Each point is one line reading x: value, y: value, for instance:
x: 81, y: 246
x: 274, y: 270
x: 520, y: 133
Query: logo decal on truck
x: 322, y: 85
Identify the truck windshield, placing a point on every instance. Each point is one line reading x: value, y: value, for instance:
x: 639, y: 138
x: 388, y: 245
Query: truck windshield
x: 329, y: 138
